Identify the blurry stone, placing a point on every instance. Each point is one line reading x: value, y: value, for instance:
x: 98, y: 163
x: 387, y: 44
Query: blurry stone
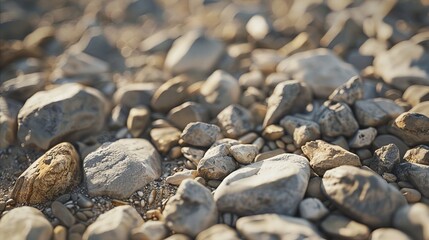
x: 178, y: 177
x: 359, y: 61
x: 138, y: 8
x: 170, y: 94
x: 67, y: 112
x: 134, y: 94
x: 80, y: 64
x: 178, y: 237
x: 412, y: 128
x: 411, y: 195
x: 158, y: 42
x: 61, y: 212
x: 269, y: 154
x: 264, y: 33
x: 301, y: 130
x: 422, y: 108
x: 342, y: 34
x: 265, y: 60
x: 363, y: 138
x: 118, y: 117
x: 417, y: 174
x: 416, y: 94
x: 251, y: 79
x: 388, y: 233
x: 349, y: 92
x: 218, y: 231
x: 165, y: 138
x: 200, y: 134
x: 372, y: 47
x: 39, y: 37
x: 382, y: 140
x: 152, y: 230
x: 320, y: 69
x: 336, y: 119
x: 377, y: 111
x: 216, y: 163
x: 55, y: 172
x: 413, y: 219
x: 302, y: 42
x: 385, y: 158
x: 60, y: 233
x: 193, y: 154
x: 314, y: 188
x: 23, y: 86
x: 341, y: 227
x: 341, y: 142
x: 138, y: 120
x: 273, y: 132
x: 15, y: 27
x: 186, y: 113
x: 8, y: 121
x: 419, y: 154
x: 234, y: 121
x: 244, y: 153
x: 312, y: 209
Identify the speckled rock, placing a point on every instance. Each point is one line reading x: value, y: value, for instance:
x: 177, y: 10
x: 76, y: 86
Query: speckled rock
x: 200, y: 134
x: 336, y: 119
x: 216, y: 163
x: 412, y: 128
x: 349, y: 92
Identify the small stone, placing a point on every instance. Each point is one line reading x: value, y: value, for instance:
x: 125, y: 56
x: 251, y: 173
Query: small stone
x: 152, y: 230
x: 138, y: 120
x: 165, y: 138
x: 385, y: 139
x: 178, y: 177
x: 248, y: 138
x: 312, y: 209
x: 178, y: 237
x: 134, y: 94
x: 385, y: 158
x: 324, y: 156
x: 376, y: 112
x: 63, y: 214
x: 8, y: 121
x: 60, y: 233
x: 200, y: 134
x: 417, y: 174
x: 193, y: 154
x: 341, y: 227
x: 251, y: 79
x: 416, y: 94
x: 364, y: 154
x: 388, y: 233
x: 77, y: 228
x: 218, y: 231
x: 412, y: 128
x: 411, y: 195
x: 186, y: 113
x: 23, y: 86
x: 244, y: 153
x: 273, y: 132
x: 422, y: 108
x: 216, y: 163
x: 419, y: 154
x: 336, y: 119
x: 349, y: 92
x: 314, y: 189
x: 389, y: 177
x: 413, y: 219
x: 161, y: 41
x: 170, y: 94
x: 268, y: 154
x: 302, y: 130
x: 234, y: 121
x: 191, y: 210
x: 84, y: 202
x: 363, y: 138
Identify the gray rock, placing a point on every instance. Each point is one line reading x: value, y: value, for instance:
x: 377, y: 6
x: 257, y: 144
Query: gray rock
x: 336, y: 119
x: 274, y: 226
x: 234, y: 121
x: 341, y: 227
x: 362, y: 195
x: 412, y: 128
x: 419, y: 154
x: 186, y: 113
x: 301, y: 130
x: 416, y: 94
x: 170, y: 94
x: 67, y: 112
x: 275, y: 185
x: 116, y: 223
x: 320, y: 68
x: 244, y: 153
x: 312, y: 209
x: 376, y: 112
x: 385, y: 159
x: 218, y: 231
x: 200, y: 134
x: 23, y: 86
x: 216, y: 163
x: 25, y: 223
x: 63, y: 214
x: 134, y: 94
x: 388, y: 233
x: 324, y: 156
x: 193, y: 154
x: 417, y: 174
x: 152, y: 230
x: 8, y: 123
x: 413, y: 220
x: 349, y: 92
x: 119, y: 168
x: 363, y: 138
x: 191, y: 210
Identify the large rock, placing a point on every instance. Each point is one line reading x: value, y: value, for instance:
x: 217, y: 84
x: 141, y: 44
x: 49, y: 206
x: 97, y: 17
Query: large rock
x: 336, y: 119
x: 274, y: 226
x: 67, y: 112
x: 119, y: 168
x: 275, y: 185
x: 234, y: 121
x: 216, y: 163
x: 8, y: 124
x: 25, y: 223
x: 49, y: 176
x: 413, y: 220
x: 320, y: 68
x: 191, y: 210
x: 114, y: 224
x: 412, y: 128
x: 362, y: 195
x: 377, y: 111
x: 417, y: 174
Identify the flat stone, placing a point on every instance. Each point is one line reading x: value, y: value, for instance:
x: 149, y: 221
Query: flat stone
x: 412, y: 128
x: 23, y: 86
x: 216, y: 163
x: 419, y: 154
x: 324, y: 156
x: 341, y: 227
x: 388, y: 233
x: 385, y: 158
x: 191, y: 210
x: 235, y: 121
x: 152, y: 230
x: 301, y: 130
x: 312, y: 209
x: 178, y: 177
x: 67, y: 112
x: 336, y: 119
x: 8, y: 121
x: 116, y: 223
x: 362, y: 195
x: 63, y: 214
x: 417, y: 174
x: 349, y: 92
x: 244, y: 153
x: 218, y: 231
x: 165, y: 138
x: 377, y: 111
x: 134, y: 94
x: 51, y: 175
x: 275, y: 185
x: 117, y: 169
x: 363, y: 138
x: 170, y: 94
x: 416, y: 94
x: 138, y: 120
x: 200, y: 134
x: 186, y: 113
x: 413, y: 219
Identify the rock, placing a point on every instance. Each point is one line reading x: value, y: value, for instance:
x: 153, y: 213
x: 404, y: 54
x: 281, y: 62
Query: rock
x: 25, y: 223
x: 193, y: 154
x: 8, y: 124
x: 269, y: 154
x: 60, y: 233
x: 116, y: 223
x: 252, y: 79
x: 385, y: 158
x: 234, y: 121
x: 341, y: 227
x: 419, y: 154
x: 412, y: 128
x: 411, y: 195
x: 117, y: 169
x: 324, y: 156
x: 363, y: 138
x: 349, y: 92
x: 138, y: 120
x: 161, y: 41
x: 244, y: 153
x: 320, y: 69
x: 152, y: 230
x: 413, y: 219
x: 417, y: 174
x: 134, y: 94
x: 165, y: 138
x: 191, y: 210
x: 376, y: 112
x: 216, y: 163
x: 218, y: 231
x: 362, y: 195
x: 285, y: 99
x: 336, y: 119
x: 314, y: 189
x: 186, y: 113
x: 422, y: 108
x: 403, y: 65
x: 67, y: 112
x: 219, y: 91
x: 273, y: 132
x: 23, y: 86
x: 178, y: 177
x: 170, y: 94
x: 274, y: 226
x: 277, y: 186
x: 302, y: 130
x: 51, y: 175
x: 416, y: 94
x: 312, y: 209
x: 342, y: 34
x: 385, y: 139
x: 178, y: 237
x: 63, y: 214
x: 388, y: 233
x: 200, y: 134
x: 193, y: 52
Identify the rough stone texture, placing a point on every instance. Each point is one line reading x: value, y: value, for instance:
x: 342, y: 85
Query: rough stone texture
x: 321, y: 69
x: 8, y: 124
x: 186, y: 113
x: 363, y: 138
x: 349, y: 92
x: 275, y: 185
x: 413, y: 220
x: 25, y: 223
x: 134, y: 94
x: 234, y: 121
x: 419, y: 154
x: 324, y: 156
x: 388, y: 233
x: 114, y: 224
x: 152, y: 230
x: 216, y: 163
x: 219, y: 91
x: 363, y: 195
x: 23, y: 86
x: 165, y: 138
x: 377, y: 111
x: 312, y: 209
x: 416, y: 94
x: 200, y: 134
x: 49, y: 176
x: 384, y: 139
x: 417, y: 174
x: 336, y: 119
x: 301, y: 130
x: 403, y: 65
x: 67, y: 112
x: 274, y: 226
x: 119, y: 168
x: 412, y: 128
x: 341, y: 227
x: 244, y: 153
x: 170, y: 94
x: 218, y: 231
x: 191, y: 210
x: 385, y: 158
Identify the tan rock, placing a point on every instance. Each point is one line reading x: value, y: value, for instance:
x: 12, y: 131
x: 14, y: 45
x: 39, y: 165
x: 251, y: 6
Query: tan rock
x: 165, y: 138
x: 138, y: 119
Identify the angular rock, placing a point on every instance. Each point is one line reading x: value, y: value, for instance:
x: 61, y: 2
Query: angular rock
x: 275, y: 185
x: 23, y: 86
x: 170, y: 94
x: 234, y: 121
x: 363, y: 138
x: 413, y: 219
x: 200, y: 134
x: 186, y: 113
x: 417, y: 174
x: 49, y: 176
x: 8, y: 124
x: 193, y: 154
x: 117, y: 169
x: 376, y: 112
x: 362, y: 195
x: 216, y: 163
x: 419, y: 154
x: 116, y: 223
x: 336, y: 119
x: 349, y: 92
x: 341, y: 227
x: 416, y: 94
x: 165, y: 138
x: 312, y: 209
x: 138, y: 120
x: 388, y: 233
x: 324, y: 156
x: 191, y: 210
x: 152, y: 230
x: 134, y: 95
x: 218, y: 231
x: 385, y: 139
x: 178, y: 177
x: 385, y: 159
x: 244, y: 153
x: 301, y: 130
x: 412, y: 128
